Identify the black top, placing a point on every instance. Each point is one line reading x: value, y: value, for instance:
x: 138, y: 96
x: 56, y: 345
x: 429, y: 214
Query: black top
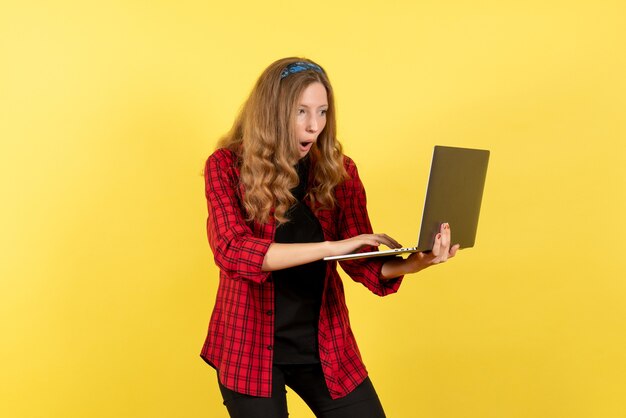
x: 298, y: 290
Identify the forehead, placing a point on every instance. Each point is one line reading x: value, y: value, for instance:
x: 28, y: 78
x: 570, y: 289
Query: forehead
x: 314, y: 95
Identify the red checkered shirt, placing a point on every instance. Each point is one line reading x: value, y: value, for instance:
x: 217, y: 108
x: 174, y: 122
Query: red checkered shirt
x: 240, y: 338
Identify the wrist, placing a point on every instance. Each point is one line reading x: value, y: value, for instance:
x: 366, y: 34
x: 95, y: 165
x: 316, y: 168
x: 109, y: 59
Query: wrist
x: 328, y: 249
x: 394, y: 268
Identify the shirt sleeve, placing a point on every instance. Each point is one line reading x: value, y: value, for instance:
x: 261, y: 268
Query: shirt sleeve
x: 236, y: 251
x: 354, y: 220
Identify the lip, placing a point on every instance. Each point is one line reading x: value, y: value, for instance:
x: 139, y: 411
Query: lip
x: 305, y: 146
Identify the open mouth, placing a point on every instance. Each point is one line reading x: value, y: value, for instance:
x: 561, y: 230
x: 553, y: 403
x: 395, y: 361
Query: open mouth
x: 305, y: 145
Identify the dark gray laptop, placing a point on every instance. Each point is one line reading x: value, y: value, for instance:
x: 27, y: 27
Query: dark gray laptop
x: 454, y: 194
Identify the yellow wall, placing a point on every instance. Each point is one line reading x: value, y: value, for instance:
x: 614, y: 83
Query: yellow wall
x: 108, y: 110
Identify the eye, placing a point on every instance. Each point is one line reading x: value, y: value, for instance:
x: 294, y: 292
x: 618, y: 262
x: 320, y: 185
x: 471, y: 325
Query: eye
x: 323, y: 112
x: 301, y: 111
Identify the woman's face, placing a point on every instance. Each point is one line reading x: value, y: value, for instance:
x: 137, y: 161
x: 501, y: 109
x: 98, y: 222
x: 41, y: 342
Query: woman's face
x: 310, y: 116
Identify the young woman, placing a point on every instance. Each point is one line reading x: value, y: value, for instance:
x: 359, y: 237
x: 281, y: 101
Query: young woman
x: 282, y: 196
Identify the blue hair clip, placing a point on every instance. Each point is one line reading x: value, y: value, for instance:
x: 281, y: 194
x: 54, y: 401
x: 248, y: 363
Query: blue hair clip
x: 297, y: 67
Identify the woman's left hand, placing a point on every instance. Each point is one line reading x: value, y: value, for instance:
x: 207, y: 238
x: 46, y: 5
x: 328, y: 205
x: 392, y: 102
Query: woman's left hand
x: 441, y: 252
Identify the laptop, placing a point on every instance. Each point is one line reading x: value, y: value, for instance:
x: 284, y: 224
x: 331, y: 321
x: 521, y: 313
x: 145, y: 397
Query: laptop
x: 454, y: 195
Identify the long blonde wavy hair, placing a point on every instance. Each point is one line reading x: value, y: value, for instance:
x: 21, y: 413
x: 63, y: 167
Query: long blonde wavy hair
x: 263, y: 136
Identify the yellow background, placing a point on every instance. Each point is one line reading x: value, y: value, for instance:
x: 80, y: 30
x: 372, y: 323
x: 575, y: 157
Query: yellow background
x: 108, y: 110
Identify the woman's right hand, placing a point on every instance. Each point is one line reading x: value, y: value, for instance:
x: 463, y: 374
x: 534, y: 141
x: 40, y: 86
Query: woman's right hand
x: 350, y: 245
x: 281, y: 256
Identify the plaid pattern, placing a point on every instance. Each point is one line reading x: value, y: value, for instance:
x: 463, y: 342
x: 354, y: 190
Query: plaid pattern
x: 240, y: 338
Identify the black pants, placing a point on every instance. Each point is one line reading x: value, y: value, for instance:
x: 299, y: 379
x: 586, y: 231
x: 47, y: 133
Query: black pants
x: 308, y: 382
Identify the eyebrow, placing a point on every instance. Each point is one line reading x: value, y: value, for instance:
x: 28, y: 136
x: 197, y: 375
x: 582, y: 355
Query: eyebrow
x: 308, y: 107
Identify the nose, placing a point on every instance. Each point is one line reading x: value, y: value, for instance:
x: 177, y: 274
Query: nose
x: 312, y: 124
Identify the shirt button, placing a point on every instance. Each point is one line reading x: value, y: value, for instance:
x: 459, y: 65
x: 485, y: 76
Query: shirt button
x: 269, y: 313
x: 269, y: 347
